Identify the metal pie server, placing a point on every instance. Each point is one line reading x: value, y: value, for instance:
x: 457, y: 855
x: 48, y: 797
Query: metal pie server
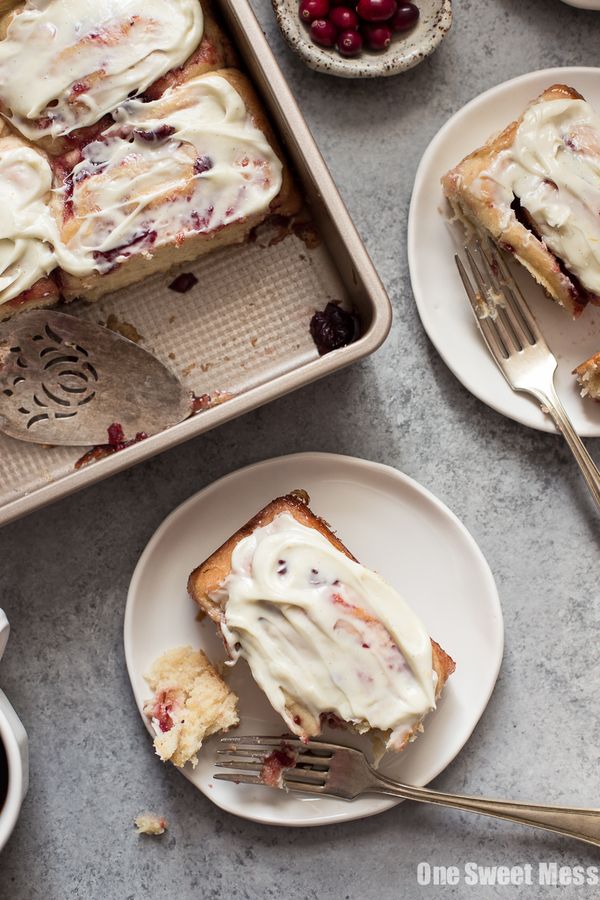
x: 65, y: 381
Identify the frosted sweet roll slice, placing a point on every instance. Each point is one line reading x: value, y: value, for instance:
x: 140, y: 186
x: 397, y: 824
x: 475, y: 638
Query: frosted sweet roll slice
x: 326, y: 639
x: 66, y: 63
x: 535, y: 188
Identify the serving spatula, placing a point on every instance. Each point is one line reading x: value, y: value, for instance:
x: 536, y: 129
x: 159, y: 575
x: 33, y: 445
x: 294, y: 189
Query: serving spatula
x: 66, y: 381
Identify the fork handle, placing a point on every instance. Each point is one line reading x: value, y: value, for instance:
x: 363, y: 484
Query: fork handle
x: 551, y: 403
x: 582, y: 824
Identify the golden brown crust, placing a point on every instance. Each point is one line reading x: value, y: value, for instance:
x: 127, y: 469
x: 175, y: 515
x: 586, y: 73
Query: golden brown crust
x: 8, y: 10
x: 207, y: 578
x: 592, y: 363
x: 215, y: 51
x: 478, y: 208
x: 588, y: 377
x: 40, y: 295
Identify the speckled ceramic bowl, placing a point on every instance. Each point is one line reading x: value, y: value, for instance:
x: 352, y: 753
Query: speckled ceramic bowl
x: 404, y: 52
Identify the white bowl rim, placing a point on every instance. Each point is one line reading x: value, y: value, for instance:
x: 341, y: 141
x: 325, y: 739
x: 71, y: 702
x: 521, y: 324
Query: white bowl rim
x: 9, y: 812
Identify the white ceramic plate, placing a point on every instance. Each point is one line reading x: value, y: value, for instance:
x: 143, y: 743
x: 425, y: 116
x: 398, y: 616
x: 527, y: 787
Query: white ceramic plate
x: 439, y: 294
x: 394, y: 526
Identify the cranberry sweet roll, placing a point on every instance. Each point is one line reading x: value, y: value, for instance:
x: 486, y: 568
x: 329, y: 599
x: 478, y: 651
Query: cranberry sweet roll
x: 64, y: 65
x: 27, y: 228
x: 168, y: 181
x: 325, y: 638
x: 535, y: 189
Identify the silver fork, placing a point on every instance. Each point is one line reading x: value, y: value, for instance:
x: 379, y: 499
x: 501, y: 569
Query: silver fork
x: 334, y: 771
x: 517, y: 344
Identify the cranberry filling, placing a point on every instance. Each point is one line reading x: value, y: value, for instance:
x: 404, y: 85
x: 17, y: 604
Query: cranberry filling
x: 202, y: 164
x: 201, y: 223
x: 579, y: 294
x: 275, y: 763
x: 116, y: 435
x: 333, y: 328
x: 146, y: 235
x: 116, y: 442
x: 162, y: 711
x: 155, y: 135
x: 183, y: 283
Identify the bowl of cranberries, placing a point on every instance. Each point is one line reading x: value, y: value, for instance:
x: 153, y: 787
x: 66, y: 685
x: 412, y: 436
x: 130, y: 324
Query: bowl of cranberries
x: 363, y: 38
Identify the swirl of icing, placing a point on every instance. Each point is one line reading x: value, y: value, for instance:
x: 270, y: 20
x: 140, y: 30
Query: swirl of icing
x: 191, y: 162
x: 27, y: 227
x: 319, y: 629
x: 66, y: 63
x: 553, y: 167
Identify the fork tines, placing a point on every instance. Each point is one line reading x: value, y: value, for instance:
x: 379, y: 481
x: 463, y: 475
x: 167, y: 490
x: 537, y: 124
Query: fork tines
x: 249, y: 755
x: 501, y: 311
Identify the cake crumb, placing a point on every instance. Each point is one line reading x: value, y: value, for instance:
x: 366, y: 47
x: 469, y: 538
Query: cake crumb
x: 150, y: 823
x: 188, y: 369
x: 125, y: 329
x: 191, y: 701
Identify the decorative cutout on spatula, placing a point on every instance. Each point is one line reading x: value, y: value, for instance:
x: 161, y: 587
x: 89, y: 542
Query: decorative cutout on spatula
x: 64, y: 381
x: 61, y: 379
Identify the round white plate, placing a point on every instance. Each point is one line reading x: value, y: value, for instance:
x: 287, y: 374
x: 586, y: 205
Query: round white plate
x: 394, y: 526
x: 440, y: 297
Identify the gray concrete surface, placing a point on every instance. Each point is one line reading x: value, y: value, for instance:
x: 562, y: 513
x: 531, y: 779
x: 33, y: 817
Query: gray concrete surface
x: 64, y: 571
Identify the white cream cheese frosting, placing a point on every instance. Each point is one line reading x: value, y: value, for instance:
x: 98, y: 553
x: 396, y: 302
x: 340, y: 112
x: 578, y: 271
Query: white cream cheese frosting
x: 27, y: 227
x: 191, y: 162
x: 66, y: 63
x: 320, y: 629
x: 553, y: 168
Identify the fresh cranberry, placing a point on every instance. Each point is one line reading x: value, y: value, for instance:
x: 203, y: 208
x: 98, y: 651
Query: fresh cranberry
x: 349, y: 43
x: 379, y: 37
x: 313, y: 9
x: 323, y: 32
x: 376, y: 10
x: 343, y: 18
x: 407, y: 16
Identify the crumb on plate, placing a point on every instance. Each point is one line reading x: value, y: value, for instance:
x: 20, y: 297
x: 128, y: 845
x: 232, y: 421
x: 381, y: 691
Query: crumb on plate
x: 191, y: 701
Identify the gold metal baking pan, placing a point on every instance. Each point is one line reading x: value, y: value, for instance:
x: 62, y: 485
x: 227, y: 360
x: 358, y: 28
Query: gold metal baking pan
x: 242, y: 332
